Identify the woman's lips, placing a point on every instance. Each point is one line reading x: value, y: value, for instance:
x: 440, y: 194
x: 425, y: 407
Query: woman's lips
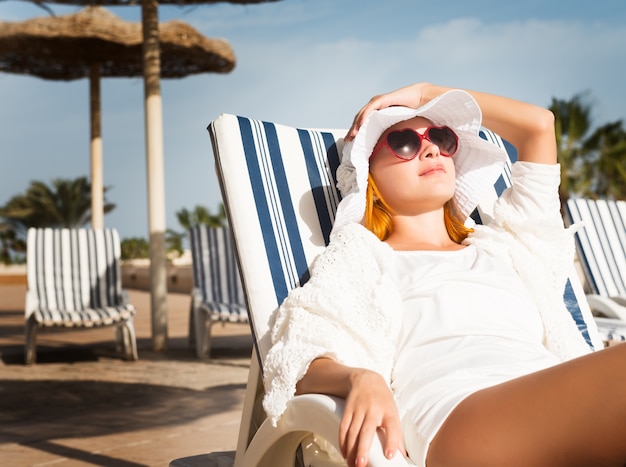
x: 433, y: 169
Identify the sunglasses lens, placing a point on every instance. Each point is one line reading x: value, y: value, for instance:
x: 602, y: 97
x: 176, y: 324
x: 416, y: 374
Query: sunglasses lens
x: 405, y: 144
x: 443, y: 137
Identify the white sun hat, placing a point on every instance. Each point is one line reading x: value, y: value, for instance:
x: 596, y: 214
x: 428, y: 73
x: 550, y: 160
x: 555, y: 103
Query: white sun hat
x: 478, y: 163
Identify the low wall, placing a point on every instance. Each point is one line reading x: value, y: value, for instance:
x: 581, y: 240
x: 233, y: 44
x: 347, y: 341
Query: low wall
x: 136, y: 275
x: 14, y: 274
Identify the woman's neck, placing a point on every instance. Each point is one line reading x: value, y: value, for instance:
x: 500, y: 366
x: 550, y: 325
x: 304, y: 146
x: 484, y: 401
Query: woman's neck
x: 421, y: 232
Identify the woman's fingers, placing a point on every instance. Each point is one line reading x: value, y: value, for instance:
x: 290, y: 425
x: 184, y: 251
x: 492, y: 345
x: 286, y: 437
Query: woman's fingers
x: 357, y: 433
x: 370, y: 406
x: 393, y: 439
x: 357, y: 122
x: 364, y: 443
x: 375, y: 103
x: 408, y: 96
x: 359, y: 439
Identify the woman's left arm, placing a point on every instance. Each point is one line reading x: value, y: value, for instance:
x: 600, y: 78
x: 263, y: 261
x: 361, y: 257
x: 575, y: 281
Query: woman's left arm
x: 528, y: 127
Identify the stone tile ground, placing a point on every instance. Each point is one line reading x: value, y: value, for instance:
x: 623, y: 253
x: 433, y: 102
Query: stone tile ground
x: 80, y: 405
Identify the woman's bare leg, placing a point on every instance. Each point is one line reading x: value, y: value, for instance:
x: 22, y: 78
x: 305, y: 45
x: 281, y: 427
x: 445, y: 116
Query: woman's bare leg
x: 573, y: 414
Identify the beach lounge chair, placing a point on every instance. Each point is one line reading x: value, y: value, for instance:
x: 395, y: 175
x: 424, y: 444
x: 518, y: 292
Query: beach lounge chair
x: 278, y: 187
x: 74, y: 281
x: 217, y: 295
x: 601, y: 249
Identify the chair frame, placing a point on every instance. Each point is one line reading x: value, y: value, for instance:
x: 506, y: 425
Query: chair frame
x: 601, y: 250
x: 217, y: 295
x: 271, y: 153
x: 104, y: 269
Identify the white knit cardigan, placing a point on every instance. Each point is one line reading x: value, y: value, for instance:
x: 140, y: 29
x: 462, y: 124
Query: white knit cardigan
x: 349, y: 309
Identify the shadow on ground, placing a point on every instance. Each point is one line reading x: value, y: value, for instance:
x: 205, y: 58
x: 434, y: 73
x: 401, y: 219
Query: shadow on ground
x: 43, y: 409
x: 34, y: 413
x: 224, y: 347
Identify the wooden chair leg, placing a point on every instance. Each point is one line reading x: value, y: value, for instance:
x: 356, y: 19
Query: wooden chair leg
x: 30, y: 349
x: 126, y: 342
x: 130, y: 341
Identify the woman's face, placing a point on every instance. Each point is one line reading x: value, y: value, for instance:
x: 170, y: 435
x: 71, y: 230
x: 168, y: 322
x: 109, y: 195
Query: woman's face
x: 414, y: 186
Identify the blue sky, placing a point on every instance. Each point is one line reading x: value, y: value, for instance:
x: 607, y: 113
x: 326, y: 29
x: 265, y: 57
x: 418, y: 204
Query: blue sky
x: 309, y: 63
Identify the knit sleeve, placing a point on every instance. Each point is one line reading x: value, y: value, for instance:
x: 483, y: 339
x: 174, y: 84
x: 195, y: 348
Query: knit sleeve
x: 527, y: 231
x: 533, y: 196
x: 343, y: 312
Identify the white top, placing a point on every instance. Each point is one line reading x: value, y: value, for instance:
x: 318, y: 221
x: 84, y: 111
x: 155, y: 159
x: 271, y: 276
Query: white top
x: 468, y: 323
x: 351, y: 309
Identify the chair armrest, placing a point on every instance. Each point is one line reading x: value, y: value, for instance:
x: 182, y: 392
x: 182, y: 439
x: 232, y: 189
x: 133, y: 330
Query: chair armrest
x: 607, y: 307
x: 620, y: 299
x: 307, y: 414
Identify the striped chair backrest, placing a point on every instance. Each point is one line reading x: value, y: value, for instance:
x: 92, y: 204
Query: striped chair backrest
x: 215, y: 271
x: 280, y: 182
x: 601, y: 243
x: 74, y: 269
x: 279, y: 188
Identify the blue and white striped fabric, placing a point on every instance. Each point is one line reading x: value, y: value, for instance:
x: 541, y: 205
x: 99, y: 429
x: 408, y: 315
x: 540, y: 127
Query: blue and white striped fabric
x: 601, y: 243
x: 216, y: 275
x: 601, y: 248
x: 278, y: 185
x: 217, y: 295
x: 74, y: 278
x: 74, y: 281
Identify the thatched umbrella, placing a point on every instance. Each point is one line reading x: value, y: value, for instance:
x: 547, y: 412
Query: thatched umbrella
x: 154, y: 146
x: 95, y: 43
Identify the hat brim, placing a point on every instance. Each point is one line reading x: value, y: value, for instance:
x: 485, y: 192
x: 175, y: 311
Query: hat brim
x: 478, y: 162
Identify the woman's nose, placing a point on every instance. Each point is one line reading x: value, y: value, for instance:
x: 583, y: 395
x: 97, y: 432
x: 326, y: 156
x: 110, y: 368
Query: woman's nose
x: 430, y: 151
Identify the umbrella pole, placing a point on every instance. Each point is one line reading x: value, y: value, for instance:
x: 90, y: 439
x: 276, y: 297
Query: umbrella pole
x: 97, y: 186
x: 155, y: 172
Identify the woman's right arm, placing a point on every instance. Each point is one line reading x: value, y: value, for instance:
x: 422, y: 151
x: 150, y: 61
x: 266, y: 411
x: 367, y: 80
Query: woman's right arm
x: 370, y: 407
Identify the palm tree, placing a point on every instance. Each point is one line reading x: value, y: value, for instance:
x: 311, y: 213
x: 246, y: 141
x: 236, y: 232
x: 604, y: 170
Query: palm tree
x: 12, y: 248
x: 591, y: 166
x: 65, y: 203
x: 187, y: 219
x: 201, y: 215
x: 607, y: 160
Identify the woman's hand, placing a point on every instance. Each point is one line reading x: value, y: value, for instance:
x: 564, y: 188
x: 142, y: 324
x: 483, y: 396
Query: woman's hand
x: 370, y: 410
x: 408, y: 96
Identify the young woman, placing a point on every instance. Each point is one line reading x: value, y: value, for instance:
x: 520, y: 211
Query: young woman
x: 451, y: 343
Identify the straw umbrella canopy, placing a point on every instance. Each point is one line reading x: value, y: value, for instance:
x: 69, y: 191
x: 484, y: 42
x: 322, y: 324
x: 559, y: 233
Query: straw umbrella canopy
x: 95, y: 43
x: 66, y: 47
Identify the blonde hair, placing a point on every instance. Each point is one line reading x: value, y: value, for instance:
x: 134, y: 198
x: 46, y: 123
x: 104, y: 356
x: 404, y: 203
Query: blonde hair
x: 378, y: 216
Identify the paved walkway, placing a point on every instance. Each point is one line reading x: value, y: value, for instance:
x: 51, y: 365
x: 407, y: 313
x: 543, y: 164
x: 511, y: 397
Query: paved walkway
x: 80, y: 405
